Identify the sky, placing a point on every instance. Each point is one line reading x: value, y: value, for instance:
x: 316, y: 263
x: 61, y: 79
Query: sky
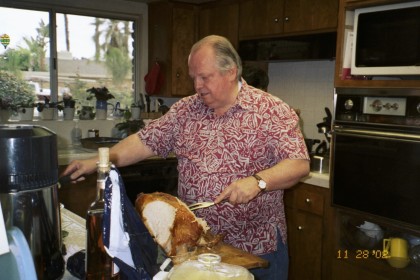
x: 23, y: 23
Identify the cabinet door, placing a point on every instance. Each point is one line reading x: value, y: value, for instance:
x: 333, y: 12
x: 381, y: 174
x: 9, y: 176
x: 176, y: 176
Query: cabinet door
x: 306, y: 250
x: 220, y: 19
x: 160, y: 28
x: 172, y: 32
x: 308, y: 15
x: 183, y: 37
x: 260, y: 18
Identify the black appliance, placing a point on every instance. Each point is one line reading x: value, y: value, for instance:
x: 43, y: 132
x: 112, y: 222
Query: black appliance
x: 375, y: 153
x: 28, y: 193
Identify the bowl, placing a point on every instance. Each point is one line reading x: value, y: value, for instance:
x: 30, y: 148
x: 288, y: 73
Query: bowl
x: 98, y: 142
x: 354, y: 235
x: 398, y: 262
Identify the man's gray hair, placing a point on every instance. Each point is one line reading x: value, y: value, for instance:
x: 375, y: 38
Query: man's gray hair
x: 226, y: 56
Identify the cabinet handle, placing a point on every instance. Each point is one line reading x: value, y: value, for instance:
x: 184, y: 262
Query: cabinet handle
x: 276, y: 20
x: 307, y: 200
x: 299, y: 227
x: 177, y: 75
x: 286, y: 19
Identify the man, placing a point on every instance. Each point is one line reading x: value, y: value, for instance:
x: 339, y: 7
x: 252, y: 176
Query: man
x: 235, y: 144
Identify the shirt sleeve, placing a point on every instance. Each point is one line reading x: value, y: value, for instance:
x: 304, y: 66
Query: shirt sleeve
x: 158, y: 135
x: 288, y: 141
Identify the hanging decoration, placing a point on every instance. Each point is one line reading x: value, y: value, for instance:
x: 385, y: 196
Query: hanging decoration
x: 5, y: 40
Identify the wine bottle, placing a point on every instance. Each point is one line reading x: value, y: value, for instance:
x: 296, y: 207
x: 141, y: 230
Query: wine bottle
x: 99, y: 264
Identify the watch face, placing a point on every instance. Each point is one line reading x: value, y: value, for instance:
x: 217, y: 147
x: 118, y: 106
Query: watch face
x: 262, y: 184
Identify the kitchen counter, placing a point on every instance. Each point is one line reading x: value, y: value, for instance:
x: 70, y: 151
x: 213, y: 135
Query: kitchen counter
x: 66, y: 155
x: 70, y: 153
x: 75, y: 241
x: 317, y: 179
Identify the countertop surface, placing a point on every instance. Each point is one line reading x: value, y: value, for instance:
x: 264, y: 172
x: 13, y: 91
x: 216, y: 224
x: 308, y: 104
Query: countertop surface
x: 317, y: 179
x: 75, y: 240
x: 67, y: 154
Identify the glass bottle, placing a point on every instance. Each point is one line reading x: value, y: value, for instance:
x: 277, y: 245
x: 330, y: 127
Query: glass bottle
x: 99, y: 264
x: 76, y: 134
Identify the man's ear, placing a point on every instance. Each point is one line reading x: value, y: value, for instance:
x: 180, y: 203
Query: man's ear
x: 233, y: 72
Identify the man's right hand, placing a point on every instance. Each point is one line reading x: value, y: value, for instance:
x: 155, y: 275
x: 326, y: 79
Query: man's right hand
x: 76, y: 170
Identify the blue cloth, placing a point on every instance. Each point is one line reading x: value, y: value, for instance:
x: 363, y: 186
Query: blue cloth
x: 279, y: 264
x: 126, y: 238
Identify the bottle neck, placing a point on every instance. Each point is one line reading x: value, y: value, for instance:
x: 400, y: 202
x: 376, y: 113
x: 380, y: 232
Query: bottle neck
x: 103, y: 172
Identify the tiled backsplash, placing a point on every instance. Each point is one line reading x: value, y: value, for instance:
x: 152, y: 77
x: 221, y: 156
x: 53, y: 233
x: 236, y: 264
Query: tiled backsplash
x: 306, y: 85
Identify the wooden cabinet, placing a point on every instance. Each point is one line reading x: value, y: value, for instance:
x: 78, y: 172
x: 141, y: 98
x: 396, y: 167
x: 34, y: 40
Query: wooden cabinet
x: 220, y: 18
x: 307, y: 15
x: 309, y: 215
x: 345, y: 14
x: 260, y: 18
x: 172, y: 32
x: 146, y: 176
x: 271, y: 18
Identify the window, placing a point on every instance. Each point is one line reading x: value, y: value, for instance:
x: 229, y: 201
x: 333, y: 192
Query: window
x: 91, y: 51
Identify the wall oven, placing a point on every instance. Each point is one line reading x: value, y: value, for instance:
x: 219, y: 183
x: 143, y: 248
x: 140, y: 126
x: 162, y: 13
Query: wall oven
x: 375, y: 153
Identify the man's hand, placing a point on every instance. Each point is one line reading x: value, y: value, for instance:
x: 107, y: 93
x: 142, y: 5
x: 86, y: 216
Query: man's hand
x: 240, y: 191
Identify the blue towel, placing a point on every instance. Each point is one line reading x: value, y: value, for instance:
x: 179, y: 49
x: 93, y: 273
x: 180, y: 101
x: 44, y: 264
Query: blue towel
x: 126, y: 238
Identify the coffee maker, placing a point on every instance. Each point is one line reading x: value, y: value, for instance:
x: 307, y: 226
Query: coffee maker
x: 29, y: 195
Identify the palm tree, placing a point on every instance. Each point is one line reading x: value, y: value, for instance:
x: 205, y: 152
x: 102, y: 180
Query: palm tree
x: 66, y: 30
x: 38, y: 46
x: 96, y: 36
x: 114, y: 47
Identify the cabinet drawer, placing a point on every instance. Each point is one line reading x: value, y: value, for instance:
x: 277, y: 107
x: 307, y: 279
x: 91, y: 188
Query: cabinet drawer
x: 310, y: 201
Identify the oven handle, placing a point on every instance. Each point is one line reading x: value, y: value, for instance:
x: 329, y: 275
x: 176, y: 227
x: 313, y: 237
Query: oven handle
x: 375, y: 134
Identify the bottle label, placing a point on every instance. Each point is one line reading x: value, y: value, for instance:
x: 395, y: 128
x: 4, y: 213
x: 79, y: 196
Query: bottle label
x: 101, y: 184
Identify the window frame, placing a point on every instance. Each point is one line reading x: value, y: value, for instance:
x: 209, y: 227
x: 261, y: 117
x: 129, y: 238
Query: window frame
x: 118, y: 9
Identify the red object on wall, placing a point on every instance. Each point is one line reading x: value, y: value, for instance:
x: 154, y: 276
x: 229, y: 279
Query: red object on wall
x: 154, y: 80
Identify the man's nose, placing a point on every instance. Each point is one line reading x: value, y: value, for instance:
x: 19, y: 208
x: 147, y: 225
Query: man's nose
x: 198, y: 83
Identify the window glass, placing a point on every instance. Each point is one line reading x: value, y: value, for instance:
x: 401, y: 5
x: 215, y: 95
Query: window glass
x: 25, y: 48
x: 94, y: 52
x: 91, y: 52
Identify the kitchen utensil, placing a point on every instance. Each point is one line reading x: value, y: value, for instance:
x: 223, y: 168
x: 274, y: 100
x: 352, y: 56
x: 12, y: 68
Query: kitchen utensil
x: 396, y: 247
x: 29, y: 193
x: 310, y: 144
x: 200, y: 205
x: 398, y: 262
x: 322, y: 149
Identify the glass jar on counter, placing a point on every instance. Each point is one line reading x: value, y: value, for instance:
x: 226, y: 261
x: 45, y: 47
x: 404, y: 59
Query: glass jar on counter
x: 209, y: 266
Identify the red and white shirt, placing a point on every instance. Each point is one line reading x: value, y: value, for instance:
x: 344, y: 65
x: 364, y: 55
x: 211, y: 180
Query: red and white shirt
x: 256, y: 133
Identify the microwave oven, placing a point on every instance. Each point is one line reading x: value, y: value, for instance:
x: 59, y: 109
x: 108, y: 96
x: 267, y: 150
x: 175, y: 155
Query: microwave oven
x: 386, y: 40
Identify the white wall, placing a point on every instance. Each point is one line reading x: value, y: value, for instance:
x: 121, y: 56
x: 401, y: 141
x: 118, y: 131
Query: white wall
x: 306, y: 85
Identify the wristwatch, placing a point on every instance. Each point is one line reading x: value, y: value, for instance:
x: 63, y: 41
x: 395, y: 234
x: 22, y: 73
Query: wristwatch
x: 261, y: 183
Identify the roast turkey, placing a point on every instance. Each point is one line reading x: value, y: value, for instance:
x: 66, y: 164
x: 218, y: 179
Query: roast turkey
x: 172, y: 224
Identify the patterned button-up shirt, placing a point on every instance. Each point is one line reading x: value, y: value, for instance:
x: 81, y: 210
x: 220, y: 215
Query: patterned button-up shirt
x: 256, y: 133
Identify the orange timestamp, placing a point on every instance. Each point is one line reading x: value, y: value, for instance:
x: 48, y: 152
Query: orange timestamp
x: 362, y: 254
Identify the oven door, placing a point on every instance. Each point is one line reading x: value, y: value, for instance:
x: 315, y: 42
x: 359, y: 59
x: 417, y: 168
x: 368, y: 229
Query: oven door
x: 377, y: 172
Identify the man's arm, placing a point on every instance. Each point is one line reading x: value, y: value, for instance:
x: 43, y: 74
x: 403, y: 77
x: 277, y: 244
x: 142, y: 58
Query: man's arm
x: 283, y: 175
x: 128, y: 151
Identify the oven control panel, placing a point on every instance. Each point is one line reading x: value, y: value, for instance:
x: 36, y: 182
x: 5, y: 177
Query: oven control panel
x: 399, y: 110
x: 389, y: 106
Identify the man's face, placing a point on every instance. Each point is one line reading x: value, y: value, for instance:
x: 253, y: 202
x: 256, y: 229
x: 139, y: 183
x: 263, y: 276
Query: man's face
x: 214, y: 87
